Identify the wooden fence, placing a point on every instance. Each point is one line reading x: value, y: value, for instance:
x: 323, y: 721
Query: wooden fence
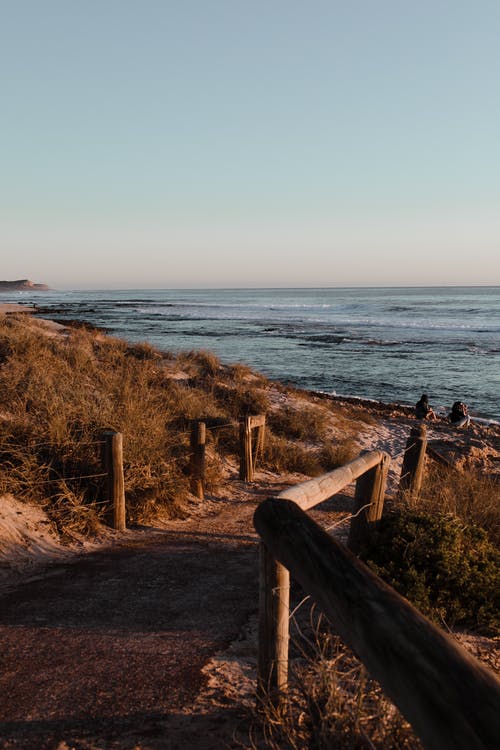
x: 451, y: 699
x: 370, y: 469
x: 249, y: 451
x: 111, y: 444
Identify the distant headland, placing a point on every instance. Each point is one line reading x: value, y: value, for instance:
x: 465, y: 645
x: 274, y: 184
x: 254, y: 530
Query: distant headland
x: 22, y: 285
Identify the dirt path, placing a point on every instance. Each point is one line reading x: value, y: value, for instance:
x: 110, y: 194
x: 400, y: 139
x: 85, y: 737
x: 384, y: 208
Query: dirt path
x: 149, y: 644
x: 117, y: 640
x: 111, y: 649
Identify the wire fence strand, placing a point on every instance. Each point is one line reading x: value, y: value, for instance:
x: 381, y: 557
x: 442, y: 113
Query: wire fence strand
x: 68, y: 479
x: 221, y: 426
x: 74, y: 445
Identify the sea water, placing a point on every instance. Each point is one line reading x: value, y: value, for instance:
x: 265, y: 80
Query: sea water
x: 386, y: 344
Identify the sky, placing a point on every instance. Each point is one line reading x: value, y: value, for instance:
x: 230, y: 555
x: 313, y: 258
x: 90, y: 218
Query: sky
x: 222, y: 143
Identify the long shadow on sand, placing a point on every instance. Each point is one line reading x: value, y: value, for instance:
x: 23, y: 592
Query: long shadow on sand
x: 119, y: 634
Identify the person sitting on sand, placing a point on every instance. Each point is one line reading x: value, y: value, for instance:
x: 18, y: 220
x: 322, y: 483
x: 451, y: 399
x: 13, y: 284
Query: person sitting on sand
x: 422, y: 408
x: 459, y: 416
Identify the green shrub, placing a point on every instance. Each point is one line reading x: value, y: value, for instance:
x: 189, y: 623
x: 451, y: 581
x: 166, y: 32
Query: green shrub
x: 449, y: 570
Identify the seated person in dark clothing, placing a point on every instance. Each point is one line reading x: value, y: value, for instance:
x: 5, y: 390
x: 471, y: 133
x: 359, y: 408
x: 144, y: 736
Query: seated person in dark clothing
x: 459, y: 416
x: 422, y: 408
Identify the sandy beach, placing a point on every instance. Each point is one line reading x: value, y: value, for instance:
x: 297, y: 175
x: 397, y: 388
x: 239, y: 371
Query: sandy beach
x: 11, y: 307
x: 45, y: 572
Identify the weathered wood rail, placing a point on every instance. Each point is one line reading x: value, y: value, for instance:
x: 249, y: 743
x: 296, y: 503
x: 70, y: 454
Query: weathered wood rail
x: 451, y: 700
x: 370, y: 469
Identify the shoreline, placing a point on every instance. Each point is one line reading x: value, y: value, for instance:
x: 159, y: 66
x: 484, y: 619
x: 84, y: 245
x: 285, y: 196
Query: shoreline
x: 383, y: 408
x: 8, y: 308
x: 393, y: 406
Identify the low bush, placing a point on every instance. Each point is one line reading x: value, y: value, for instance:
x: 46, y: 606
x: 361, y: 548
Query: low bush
x: 240, y: 373
x: 241, y: 400
x: 202, y: 364
x: 449, y: 570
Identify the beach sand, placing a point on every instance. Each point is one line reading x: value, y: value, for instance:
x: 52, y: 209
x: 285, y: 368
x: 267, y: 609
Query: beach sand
x: 32, y: 553
x: 12, y: 307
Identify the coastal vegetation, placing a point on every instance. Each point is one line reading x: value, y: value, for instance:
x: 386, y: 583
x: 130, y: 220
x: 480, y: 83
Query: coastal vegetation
x: 441, y: 550
x: 449, y: 570
x: 332, y: 702
x: 61, y: 388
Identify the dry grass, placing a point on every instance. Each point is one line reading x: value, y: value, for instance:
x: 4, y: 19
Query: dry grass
x: 465, y: 494
x: 201, y: 364
x: 308, y: 423
x: 337, y: 453
x: 281, y: 455
x: 59, y: 393
x: 241, y: 399
x: 331, y: 701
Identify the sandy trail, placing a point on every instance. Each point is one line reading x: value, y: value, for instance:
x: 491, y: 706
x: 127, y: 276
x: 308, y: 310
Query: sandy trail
x: 115, y: 641
x: 149, y: 643
x: 113, y: 649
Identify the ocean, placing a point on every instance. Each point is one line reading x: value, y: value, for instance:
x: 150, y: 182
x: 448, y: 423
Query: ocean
x: 389, y: 345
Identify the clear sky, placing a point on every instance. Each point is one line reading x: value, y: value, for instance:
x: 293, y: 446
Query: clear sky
x: 161, y: 143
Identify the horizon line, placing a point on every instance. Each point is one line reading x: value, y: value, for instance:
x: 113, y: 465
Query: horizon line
x: 260, y: 287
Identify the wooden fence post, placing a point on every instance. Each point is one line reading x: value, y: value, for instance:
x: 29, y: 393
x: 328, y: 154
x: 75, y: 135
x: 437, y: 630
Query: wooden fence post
x: 246, y: 462
x: 274, y: 598
x: 368, y: 503
x: 412, y: 471
x: 197, y: 463
x: 259, y: 446
x: 113, y: 466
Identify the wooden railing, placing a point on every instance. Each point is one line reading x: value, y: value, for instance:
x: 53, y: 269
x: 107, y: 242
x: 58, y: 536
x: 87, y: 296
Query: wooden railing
x: 451, y: 699
x: 370, y: 469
